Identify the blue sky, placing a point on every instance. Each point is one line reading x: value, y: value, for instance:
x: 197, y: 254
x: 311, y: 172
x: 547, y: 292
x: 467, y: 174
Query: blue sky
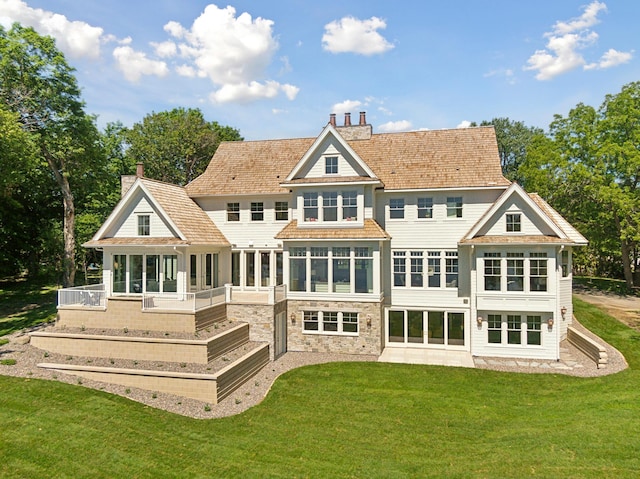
x: 276, y: 69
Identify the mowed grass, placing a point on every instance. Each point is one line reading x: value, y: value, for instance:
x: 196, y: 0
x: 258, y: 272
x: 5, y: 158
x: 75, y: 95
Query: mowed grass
x: 24, y: 304
x: 345, y: 420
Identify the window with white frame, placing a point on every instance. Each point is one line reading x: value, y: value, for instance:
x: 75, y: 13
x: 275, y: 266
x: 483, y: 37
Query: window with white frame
x: 454, y: 207
x: 515, y: 271
x: 363, y: 265
x: 257, y: 211
x: 451, y: 269
x: 494, y: 327
x: 538, y: 272
x: 396, y: 208
x: 492, y: 272
x: 425, y: 208
x: 144, y: 225
x: 349, y: 205
x: 399, y: 268
x: 319, y: 269
x: 331, y: 165
x: 514, y: 224
x: 520, y: 331
x: 514, y: 329
x: 330, y: 206
x: 310, y: 206
x: 282, y: 210
x: 417, y: 266
x: 330, y: 322
x: 534, y: 328
x: 341, y: 281
x: 233, y: 211
x: 433, y: 264
x: 565, y: 263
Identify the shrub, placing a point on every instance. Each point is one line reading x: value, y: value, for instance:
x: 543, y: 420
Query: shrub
x: 8, y: 362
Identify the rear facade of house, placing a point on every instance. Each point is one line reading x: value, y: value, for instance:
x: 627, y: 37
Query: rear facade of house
x: 398, y: 240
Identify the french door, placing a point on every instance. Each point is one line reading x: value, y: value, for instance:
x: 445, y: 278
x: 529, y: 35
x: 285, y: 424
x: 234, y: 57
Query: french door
x: 417, y: 327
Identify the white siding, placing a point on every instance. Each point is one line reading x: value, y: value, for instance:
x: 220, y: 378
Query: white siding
x: 531, y: 223
x: 315, y: 167
x: 128, y: 226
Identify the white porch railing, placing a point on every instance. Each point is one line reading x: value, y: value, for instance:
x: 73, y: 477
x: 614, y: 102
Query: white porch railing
x: 93, y: 296
x: 183, y: 301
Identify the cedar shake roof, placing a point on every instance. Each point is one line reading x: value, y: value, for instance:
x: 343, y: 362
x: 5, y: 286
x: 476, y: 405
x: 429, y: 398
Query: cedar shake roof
x: 456, y: 158
x: 194, y: 224
x: 559, y: 221
x: 370, y: 230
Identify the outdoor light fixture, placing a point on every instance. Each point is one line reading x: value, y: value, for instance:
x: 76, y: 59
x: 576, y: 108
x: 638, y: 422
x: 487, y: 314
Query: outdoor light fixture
x: 368, y: 320
x: 563, y: 311
x: 479, y: 320
x: 550, y: 322
x: 293, y: 318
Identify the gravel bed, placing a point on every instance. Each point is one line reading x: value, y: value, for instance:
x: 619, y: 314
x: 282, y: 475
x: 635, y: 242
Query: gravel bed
x: 254, y: 390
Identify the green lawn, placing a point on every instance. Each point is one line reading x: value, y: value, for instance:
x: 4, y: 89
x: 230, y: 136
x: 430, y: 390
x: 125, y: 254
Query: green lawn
x: 23, y: 304
x: 345, y: 420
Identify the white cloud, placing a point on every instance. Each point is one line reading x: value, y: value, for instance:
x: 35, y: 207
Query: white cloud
x: 74, y: 38
x: 136, y: 64
x: 351, y: 35
x: 346, y: 106
x: 186, y: 71
x: 395, y: 126
x: 247, y: 92
x: 464, y: 124
x: 566, y: 40
x: 166, y: 49
x: 611, y: 58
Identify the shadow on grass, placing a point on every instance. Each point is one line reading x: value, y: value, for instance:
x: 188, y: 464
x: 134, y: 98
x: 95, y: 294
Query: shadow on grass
x: 605, y: 285
x: 24, y: 304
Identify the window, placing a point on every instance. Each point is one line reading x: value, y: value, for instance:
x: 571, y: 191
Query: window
x: 396, y: 208
x: 331, y: 165
x: 515, y: 271
x: 534, y: 326
x: 257, y: 211
x: 492, y: 272
x: 329, y: 206
x: 282, y: 211
x: 538, y: 272
x: 565, y: 263
x: 349, y: 205
x: 434, y: 268
x: 193, y: 271
x: 454, y: 207
x: 310, y: 205
x: 513, y: 222
x: 319, y: 270
x: 494, y: 323
x: 341, y: 269
x: 416, y: 269
x: 233, y: 211
x: 451, y: 269
x: 364, y: 270
x: 235, y: 268
x: 144, y: 227
x: 399, y: 268
x: 250, y: 268
x: 425, y: 208
x: 330, y: 322
x: 120, y: 273
x: 298, y: 269
x: 514, y: 326
x: 152, y: 282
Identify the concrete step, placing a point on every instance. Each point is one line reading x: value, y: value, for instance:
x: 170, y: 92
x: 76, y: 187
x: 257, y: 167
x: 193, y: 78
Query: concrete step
x: 436, y: 357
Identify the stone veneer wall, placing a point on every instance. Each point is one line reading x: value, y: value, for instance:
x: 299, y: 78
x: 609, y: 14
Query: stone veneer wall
x: 261, y: 319
x: 368, y: 341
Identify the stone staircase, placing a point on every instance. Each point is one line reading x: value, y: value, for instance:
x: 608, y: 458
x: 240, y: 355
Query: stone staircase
x: 208, y: 365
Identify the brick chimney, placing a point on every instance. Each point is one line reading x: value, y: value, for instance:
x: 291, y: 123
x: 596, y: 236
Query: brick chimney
x: 363, y: 118
x: 139, y: 170
x: 347, y: 119
x: 332, y: 119
x: 349, y: 132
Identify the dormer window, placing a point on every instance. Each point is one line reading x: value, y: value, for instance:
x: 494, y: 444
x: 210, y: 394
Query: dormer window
x: 310, y: 204
x: 514, y: 224
x: 331, y: 165
x: 144, y: 225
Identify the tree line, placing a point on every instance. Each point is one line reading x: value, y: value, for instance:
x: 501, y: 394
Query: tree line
x: 60, y: 175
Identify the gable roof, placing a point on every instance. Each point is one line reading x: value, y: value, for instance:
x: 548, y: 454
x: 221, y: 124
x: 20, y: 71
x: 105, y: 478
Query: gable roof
x: 564, y: 233
x: 456, y: 158
x: 192, y: 225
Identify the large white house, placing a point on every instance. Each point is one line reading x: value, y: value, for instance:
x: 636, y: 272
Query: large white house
x: 360, y: 241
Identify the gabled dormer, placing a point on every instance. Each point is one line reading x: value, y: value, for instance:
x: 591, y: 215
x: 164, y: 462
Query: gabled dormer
x: 331, y: 184
x: 520, y: 218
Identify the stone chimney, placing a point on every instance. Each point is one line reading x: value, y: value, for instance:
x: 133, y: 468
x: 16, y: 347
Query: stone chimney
x: 349, y: 132
x: 127, y: 181
x: 332, y: 119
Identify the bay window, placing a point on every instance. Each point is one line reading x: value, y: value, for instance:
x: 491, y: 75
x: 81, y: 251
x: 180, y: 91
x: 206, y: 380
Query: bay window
x: 330, y: 206
x: 349, y: 205
x: 310, y: 206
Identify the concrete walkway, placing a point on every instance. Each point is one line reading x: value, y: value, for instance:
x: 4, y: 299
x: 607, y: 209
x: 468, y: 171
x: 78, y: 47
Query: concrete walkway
x: 568, y: 361
x: 427, y: 356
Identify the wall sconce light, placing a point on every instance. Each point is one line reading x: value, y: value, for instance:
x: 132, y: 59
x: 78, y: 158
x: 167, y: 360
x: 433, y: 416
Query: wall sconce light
x: 550, y: 323
x: 563, y: 311
x: 293, y: 318
x: 368, y: 320
x: 479, y: 320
